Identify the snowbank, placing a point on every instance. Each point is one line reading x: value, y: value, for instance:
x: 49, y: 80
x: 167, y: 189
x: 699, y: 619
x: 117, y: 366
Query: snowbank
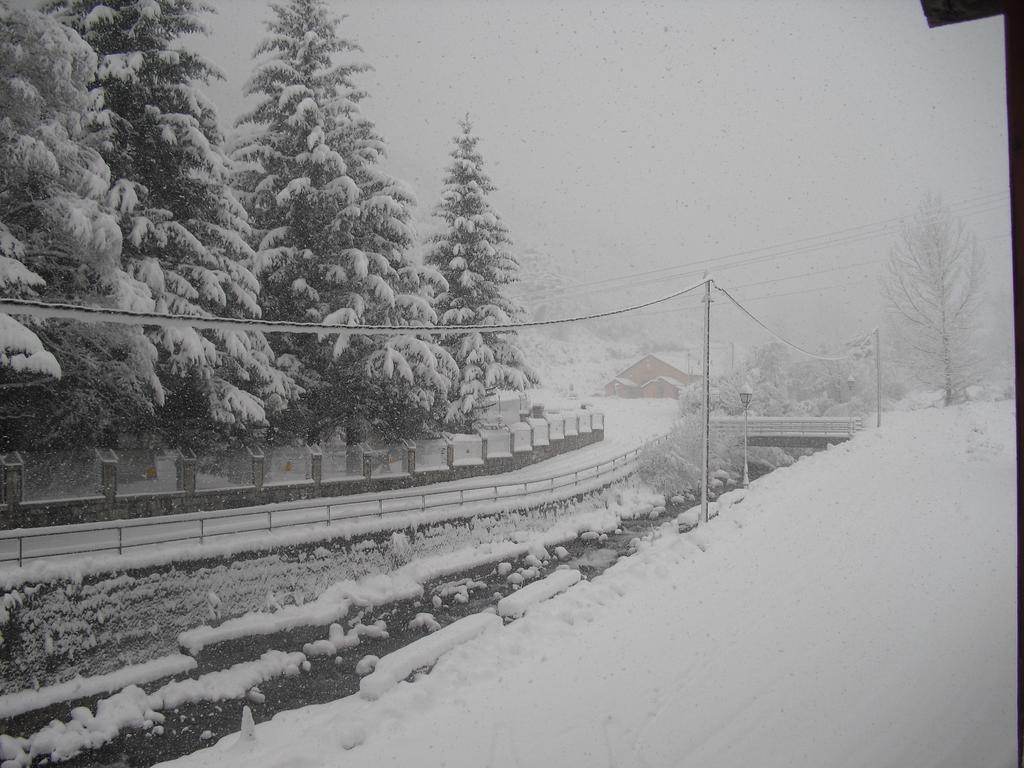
x: 13, y: 704
x: 331, y: 606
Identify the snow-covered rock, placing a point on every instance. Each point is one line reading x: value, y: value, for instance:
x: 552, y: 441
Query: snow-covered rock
x: 688, y: 520
x: 424, y: 652
x: 367, y: 664
x: 518, y: 603
x: 425, y: 621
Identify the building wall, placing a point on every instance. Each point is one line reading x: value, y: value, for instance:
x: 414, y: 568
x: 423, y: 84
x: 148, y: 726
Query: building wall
x: 660, y: 389
x: 618, y: 389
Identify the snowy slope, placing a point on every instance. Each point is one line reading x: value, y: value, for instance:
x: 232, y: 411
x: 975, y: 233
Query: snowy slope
x: 854, y: 609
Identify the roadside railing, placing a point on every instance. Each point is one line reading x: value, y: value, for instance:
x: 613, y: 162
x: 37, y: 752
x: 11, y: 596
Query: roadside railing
x: 823, y: 426
x: 18, y: 546
x: 98, y: 484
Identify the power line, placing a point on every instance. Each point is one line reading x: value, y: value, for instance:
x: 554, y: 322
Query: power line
x: 785, y: 341
x: 85, y: 313
x: 46, y: 310
x: 964, y: 204
x: 810, y: 274
x: 618, y: 282
x: 807, y: 245
x: 813, y: 289
x: 763, y: 282
x: 784, y: 279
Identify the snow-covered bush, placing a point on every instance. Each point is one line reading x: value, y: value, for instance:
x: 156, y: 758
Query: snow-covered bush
x: 400, y: 549
x: 674, y: 466
x: 786, y: 384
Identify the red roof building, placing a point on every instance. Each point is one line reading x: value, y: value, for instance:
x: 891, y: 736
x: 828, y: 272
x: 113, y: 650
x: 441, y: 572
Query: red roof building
x: 648, y: 377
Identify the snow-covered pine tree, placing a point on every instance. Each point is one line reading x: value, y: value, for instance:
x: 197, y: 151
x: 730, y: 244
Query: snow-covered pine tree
x: 60, y: 242
x: 472, y: 254
x: 334, y: 231
x: 184, y: 231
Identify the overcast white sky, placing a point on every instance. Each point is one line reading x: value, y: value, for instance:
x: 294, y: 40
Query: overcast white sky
x: 631, y: 136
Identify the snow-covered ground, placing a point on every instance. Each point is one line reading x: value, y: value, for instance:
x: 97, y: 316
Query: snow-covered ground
x: 857, y: 608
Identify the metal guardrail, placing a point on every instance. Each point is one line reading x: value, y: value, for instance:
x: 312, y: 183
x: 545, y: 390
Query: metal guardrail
x: 121, y: 535
x: 821, y: 426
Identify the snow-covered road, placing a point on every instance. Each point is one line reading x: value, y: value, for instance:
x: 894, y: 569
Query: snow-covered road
x: 857, y: 608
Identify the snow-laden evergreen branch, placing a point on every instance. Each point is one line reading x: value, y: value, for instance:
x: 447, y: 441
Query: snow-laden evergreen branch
x: 332, y: 230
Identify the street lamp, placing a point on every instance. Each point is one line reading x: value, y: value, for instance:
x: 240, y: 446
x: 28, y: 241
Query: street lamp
x: 746, y: 393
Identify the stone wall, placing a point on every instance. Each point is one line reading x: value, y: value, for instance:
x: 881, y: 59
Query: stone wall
x: 111, y: 506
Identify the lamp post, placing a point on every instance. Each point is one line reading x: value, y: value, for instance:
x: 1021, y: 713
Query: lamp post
x: 746, y: 393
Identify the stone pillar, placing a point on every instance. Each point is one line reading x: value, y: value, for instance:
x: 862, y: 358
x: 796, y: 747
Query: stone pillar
x: 316, y: 466
x: 410, y: 458
x: 108, y: 481
x: 367, y: 464
x: 179, y: 472
x: 13, y: 487
x: 188, y: 479
x: 258, y: 468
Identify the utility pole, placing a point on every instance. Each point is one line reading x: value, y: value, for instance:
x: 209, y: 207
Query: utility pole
x: 706, y: 402
x: 878, y: 377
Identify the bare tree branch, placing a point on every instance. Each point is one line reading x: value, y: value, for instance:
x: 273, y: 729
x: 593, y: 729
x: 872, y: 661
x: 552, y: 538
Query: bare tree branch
x: 932, y: 288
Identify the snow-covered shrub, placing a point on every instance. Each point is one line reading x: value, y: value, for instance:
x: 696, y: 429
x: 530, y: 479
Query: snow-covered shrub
x: 400, y: 550
x: 674, y: 466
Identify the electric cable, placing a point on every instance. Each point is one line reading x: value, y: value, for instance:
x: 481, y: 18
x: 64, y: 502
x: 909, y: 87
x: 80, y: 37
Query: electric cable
x: 805, y: 245
x: 787, y: 342
x: 87, y: 313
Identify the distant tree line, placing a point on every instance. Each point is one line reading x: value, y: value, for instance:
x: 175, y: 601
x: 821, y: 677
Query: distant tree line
x: 118, y: 189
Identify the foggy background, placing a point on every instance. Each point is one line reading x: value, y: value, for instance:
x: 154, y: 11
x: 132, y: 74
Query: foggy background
x: 635, y: 144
